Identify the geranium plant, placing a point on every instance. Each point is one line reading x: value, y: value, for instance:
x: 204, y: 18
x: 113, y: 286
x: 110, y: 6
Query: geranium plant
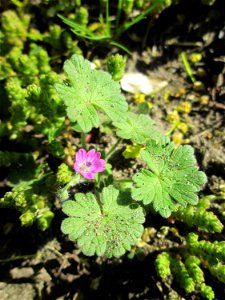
x: 108, y: 220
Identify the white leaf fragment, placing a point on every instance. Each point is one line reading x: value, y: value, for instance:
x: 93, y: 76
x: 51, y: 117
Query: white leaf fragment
x: 139, y: 83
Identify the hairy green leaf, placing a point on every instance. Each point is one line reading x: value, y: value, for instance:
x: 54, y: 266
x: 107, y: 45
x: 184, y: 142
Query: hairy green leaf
x: 89, y: 91
x: 108, y: 226
x: 138, y: 128
x: 172, y: 178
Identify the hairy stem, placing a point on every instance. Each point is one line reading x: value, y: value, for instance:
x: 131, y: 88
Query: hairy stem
x: 63, y: 193
x: 83, y: 140
x: 113, y: 148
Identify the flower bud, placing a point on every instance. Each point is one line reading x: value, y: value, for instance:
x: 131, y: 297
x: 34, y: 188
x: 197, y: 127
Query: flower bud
x: 116, y: 64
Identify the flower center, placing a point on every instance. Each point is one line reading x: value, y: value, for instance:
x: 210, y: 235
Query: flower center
x: 85, y: 166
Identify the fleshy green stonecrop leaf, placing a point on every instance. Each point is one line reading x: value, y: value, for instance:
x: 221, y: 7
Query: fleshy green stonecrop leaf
x: 139, y: 128
x: 172, y: 178
x: 108, y: 226
x: 89, y: 91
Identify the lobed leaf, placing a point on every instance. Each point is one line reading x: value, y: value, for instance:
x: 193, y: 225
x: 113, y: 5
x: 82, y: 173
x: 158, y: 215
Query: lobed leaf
x: 108, y: 226
x: 139, y: 128
x: 89, y: 91
x: 173, y: 177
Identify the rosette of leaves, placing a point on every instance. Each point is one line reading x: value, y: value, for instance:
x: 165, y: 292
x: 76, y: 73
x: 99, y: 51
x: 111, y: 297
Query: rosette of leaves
x: 88, y: 92
x: 138, y: 128
x: 172, y: 177
x: 107, y: 225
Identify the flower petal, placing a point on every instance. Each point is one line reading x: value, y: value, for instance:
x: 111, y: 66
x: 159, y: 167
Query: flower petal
x: 76, y: 167
x: 92, y: 162
x: 98, y: 166
x: 81, y: 156
x: 89, y: 175
x: 91, y: 155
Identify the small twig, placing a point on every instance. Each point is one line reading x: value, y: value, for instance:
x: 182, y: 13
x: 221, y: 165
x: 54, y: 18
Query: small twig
x: 216, y: 105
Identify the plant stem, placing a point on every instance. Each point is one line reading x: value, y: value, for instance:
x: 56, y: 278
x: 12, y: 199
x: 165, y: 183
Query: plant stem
x: 5, y: 260
x: 113, y: 148
x: 124, y: 180
x: 119, y: 10
x: 97, y: 196
x: 107, y: 17
x: 173, y: 127
x: 121, y: 47
x: 187, y: 66
x: 74, y: 181
x: 83, y: 140
x: 126, y: 25
x: 97, y: 179
x: 125, y: 183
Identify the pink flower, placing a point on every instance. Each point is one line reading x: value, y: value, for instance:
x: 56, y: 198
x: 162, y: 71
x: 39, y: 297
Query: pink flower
x: 88, y: 163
